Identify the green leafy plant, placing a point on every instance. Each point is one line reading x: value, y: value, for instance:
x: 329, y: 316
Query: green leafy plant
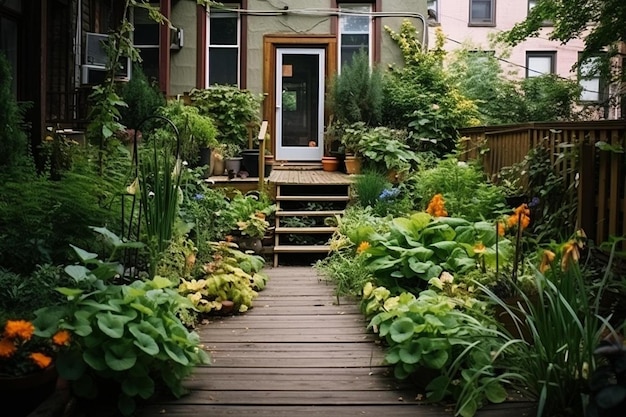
x: 464, y: 186
x: 419, y: 247
x: 13, y: 141
x: 125, y: 334
x: 234, y: 111
x: 231, y: 275
x: 196, y: 131
x: 422, y: 96
x: 356, y: 93
x: 444, y: 330
x: 386, y: 149
x: 142, y: 99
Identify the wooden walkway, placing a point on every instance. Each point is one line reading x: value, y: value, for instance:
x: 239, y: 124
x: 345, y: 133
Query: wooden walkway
x: 298, y: 353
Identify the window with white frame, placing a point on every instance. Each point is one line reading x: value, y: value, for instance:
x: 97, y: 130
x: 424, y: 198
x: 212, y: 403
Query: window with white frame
x: 146, y: 40
x: 355, y: 31
x: 540, y: 63
x: 224, y: 46
x: 590, y: 80
x: 482, y: 13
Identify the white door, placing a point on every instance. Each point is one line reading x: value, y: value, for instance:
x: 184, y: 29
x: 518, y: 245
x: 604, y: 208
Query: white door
x: 299, y: 120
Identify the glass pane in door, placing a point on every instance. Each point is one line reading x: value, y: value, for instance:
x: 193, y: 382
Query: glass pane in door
x: 300, y: 105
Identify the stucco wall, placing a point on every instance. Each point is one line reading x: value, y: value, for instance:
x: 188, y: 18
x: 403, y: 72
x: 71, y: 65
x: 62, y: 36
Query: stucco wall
x: 183, y: 62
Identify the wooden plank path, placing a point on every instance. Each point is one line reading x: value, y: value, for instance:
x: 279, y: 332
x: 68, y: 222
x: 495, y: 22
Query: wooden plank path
x: 298, y: 353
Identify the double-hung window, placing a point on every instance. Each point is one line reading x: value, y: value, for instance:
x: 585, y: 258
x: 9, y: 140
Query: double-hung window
x: 146, y: 39
x: 355, y: 31
x: 224, y: 32
x: 590, y: 80
x: 482, y: 13
x: 540, y: 63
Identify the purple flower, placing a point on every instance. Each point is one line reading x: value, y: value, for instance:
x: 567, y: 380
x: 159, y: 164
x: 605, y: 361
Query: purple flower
x: 534, y: 202
x: 198, y: 197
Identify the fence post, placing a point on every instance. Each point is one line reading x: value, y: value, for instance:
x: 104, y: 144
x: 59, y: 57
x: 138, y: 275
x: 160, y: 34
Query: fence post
x: 586, y: 193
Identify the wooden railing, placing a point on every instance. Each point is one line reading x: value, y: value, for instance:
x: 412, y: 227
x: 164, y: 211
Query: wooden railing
x: 598, y: 170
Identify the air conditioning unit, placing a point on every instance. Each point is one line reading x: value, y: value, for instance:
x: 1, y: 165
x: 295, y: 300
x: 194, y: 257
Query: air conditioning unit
x: 95, y: 74
x: 176, y: 38
x: 94, y: 52
x: 96, y: 59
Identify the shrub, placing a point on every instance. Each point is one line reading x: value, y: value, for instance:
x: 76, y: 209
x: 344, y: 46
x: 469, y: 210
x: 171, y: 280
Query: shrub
x: 356, y: 93
x: 142, y: 97
x: 13, y: 145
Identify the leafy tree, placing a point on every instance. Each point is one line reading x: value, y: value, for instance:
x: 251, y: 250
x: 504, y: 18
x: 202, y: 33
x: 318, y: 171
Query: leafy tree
x: 502, y: 100
x: 599, y: 22
x: 548, y: 98
x: 423, y: 97
x: 480, y: 77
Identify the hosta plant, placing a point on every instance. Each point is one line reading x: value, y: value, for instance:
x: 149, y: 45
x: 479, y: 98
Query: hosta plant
x: 127, y: 335
x: 420, y: 247
x: 231, y: 276
x: 443, y: 329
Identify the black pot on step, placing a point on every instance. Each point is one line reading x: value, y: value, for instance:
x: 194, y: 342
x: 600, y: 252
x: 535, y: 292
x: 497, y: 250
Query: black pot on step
x: 251, y: 161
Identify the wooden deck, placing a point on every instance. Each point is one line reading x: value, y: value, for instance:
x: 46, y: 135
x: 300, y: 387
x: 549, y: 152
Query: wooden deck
x: 298, y: 353
x: 309, y: 177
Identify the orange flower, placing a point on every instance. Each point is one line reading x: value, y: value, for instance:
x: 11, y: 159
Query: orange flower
x: 547, y: 257
x: 520, y: 215
x: 363, y: 246
x: 7, y: 348
x: 436, y: 206
x: 61, y: 338
x: 42, y: 361
x: 19, y: 329
x: 500, y: 228
x: 571, y: 254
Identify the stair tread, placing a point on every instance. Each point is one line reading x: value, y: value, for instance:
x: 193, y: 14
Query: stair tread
x: 301, y: 248
x: 312, y: 198
x: 308, y: 213
x: 305, y: 230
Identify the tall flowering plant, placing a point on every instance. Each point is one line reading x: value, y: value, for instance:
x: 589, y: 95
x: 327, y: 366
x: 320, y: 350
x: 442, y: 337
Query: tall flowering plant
x: 23, y: 352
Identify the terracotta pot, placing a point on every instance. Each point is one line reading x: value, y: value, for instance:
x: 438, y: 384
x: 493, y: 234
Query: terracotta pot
x: 218, y: 166
x: 330, y: 163
x: 353, y: 164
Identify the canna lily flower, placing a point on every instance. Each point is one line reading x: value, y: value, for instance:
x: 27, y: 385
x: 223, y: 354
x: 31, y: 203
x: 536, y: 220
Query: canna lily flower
x: 571, y: 253
x: 547, y: 257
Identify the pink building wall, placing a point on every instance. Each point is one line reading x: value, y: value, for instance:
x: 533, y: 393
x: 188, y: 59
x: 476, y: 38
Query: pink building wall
x: 453, y: 17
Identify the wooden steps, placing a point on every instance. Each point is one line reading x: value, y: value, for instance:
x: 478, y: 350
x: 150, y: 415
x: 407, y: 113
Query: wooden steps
x: 302, y: 210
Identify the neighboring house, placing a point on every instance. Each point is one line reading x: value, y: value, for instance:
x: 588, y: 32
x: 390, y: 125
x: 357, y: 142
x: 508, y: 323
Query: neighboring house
x: 474, y: 22
x: 285, y: 49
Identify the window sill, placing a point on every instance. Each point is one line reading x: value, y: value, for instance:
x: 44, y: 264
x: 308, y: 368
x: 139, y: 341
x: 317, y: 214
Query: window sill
x: 481, y: 24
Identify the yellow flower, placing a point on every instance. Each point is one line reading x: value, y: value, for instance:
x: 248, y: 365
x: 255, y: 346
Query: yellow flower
x: 363, y: 246
x: 479, y: 248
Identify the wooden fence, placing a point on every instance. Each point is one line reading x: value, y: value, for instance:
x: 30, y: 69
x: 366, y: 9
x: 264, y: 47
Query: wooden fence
x: 598, y: 169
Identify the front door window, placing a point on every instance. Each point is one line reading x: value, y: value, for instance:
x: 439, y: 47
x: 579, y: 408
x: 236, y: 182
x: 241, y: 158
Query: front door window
x: 299, y: 104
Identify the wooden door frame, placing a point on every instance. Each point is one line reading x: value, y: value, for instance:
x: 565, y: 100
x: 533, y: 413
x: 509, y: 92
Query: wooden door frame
x: 270, y: 44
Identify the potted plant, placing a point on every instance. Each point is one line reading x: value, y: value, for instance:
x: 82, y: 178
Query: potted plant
x: 386, y: 149
x: 232, y: 158
x: 28, y: 373
x: 197, y: 132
